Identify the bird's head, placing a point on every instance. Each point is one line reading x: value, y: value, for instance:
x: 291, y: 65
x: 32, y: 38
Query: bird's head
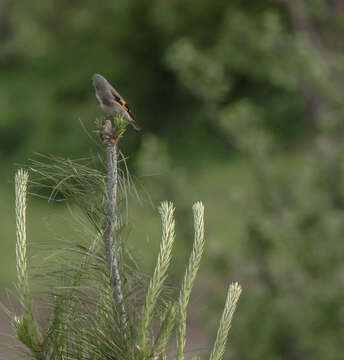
x: 98, y: 81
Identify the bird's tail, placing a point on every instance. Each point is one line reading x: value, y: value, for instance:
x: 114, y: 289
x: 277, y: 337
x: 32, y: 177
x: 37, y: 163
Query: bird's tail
x: 134, y: 125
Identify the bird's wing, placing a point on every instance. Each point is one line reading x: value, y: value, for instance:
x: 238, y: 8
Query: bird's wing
x: 120, y: 100
x: 115, y: 94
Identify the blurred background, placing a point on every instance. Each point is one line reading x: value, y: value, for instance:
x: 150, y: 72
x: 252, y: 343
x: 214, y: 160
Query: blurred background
x: 241, y: 104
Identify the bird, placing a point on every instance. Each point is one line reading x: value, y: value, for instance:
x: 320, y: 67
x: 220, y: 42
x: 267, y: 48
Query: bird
x: 111, y: 101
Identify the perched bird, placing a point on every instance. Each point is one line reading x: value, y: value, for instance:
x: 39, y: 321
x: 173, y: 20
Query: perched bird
x: 111, y: 101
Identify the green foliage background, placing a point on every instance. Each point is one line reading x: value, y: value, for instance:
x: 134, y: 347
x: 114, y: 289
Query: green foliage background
x: 241, y: 106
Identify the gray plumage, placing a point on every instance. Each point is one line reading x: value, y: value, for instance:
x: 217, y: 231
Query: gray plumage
x: 111, y: 101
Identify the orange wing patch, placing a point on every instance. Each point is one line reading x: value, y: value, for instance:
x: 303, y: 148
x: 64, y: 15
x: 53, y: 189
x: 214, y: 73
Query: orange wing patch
x: 124, y: 104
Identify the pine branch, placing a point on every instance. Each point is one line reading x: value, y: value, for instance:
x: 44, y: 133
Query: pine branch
x: 24, y: 326
x: 109, y: 235
x: 190, y: 275
x: 166, y: 210
x: 165, y: 331
x: 233, y: 295
x: 21, y: 180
